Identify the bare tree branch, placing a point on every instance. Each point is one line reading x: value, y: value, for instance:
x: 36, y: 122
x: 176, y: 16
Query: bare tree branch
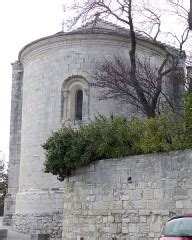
x: 132, y: 80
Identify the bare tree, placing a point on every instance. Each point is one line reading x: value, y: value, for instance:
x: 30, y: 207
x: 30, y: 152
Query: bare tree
x: 190, y: 16
x: 189, y: 76
x: 113, y: 76
x: 182, y: 12
x: 118, y: 76
x: 186, y: 18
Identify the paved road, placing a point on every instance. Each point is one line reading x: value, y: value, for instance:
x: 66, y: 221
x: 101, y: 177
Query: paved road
x: 13, y: 235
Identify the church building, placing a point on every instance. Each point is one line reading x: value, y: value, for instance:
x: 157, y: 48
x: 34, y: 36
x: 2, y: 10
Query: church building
x: 51, y: 88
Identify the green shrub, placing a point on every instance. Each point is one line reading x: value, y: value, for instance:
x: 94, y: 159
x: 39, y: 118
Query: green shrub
x: 188, y: 120
x: 106, y: 138
x: 68, y: 149
x: 61, y: 159
x: 161, y: 134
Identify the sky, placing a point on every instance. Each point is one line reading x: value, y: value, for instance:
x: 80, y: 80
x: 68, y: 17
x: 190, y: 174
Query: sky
x: 22, y: 21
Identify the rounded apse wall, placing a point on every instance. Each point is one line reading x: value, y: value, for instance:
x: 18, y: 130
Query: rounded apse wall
x: 54, y: 68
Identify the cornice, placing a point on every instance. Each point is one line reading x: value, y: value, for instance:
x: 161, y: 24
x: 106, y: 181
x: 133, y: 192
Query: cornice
x: 66, y: 40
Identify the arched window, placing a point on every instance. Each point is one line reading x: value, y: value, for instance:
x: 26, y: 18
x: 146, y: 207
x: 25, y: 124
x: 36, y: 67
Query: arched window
x: 79, y: 104
x: 75, y: 100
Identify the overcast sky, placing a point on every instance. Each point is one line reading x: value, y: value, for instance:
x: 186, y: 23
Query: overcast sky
x: 22, y: 21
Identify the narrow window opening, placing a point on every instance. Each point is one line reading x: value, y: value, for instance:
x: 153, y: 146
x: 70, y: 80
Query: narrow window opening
x: 79, y: 104
x: 129, y: 180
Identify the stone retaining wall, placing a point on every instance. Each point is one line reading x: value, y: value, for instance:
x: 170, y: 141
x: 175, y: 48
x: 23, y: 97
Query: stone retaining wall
x: 44, y: 223
x: 128, y: 198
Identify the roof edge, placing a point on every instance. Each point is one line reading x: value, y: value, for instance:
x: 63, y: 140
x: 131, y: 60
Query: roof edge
x: 113, y: 29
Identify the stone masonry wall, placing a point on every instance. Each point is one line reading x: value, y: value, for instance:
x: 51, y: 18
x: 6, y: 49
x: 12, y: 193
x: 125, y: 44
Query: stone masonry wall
x: 44, y: 223
x: 44, y: 212
x: 128, y: 198
x: 15, y: 141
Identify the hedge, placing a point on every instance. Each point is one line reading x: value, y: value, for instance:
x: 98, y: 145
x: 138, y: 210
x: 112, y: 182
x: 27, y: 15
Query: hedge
x: 68, y: 149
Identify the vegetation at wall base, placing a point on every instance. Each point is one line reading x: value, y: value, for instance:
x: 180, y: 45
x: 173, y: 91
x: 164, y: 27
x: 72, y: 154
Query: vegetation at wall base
x: 3, y: 191
x: 68, y: 149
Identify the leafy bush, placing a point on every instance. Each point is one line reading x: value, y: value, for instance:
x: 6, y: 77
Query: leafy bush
x: 69, y: 149
x: 61, y: 152
x: 188, y: 120
x: 161, y: 134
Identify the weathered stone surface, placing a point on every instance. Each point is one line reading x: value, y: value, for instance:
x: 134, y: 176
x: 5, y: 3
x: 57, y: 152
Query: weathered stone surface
x: 37, y: 224
x: 128, y: 210
x: 3, y: 234
x: 15, y: 141
x: 40, y: 236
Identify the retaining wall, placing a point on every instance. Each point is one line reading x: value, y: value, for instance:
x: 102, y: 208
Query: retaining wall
x: 128, y: 198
